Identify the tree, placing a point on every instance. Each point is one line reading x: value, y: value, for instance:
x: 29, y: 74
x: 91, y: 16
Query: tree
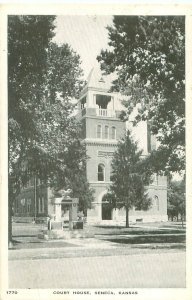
x: 43, y: 133
x: 27, y: 55
x: 64, y: 74
x: 82, y: 190
x: 129, y: 180
x: 176, y: 200
x: 148, y: 55
x: 28, y: 41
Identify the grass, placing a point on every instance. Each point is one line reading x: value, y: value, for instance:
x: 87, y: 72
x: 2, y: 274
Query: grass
x: 161, y: 234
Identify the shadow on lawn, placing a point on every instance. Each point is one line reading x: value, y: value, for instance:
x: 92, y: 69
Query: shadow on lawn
x: 111, y: 226
x: 24, y: 235
x: 148, y: 239
x: 142, y: 232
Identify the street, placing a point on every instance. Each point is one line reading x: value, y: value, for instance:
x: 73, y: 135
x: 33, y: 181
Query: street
x: 158, y: 270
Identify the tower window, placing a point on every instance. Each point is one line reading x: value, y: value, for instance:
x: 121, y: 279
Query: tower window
x: 106, y: 132
x: 99, y: 131
x: 102, y: 101
x: 101, y: 172
x: 113, y: 133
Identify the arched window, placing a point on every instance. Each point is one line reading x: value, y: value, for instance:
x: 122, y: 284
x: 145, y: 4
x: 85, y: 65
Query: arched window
x: 113, y: 133
x: 99, y: 131
x: 157, y: 202
x: 106, y: 132
x: 101, y: 172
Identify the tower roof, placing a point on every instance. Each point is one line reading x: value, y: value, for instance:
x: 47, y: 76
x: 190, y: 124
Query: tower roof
x: 98, y: 81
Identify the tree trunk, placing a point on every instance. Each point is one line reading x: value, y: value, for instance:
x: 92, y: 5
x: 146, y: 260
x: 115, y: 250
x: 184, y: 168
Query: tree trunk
x: 127, y: 217
x: 35, y: 197
x: 182, y: 220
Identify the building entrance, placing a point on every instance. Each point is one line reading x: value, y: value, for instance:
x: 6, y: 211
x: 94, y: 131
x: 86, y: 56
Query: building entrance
x: 106, y: 210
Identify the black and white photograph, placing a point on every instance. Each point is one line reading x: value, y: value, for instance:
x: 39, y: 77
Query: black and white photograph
x: 96, y: 119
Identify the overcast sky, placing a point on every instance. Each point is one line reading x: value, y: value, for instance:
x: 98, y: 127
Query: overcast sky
x: 86, y: 34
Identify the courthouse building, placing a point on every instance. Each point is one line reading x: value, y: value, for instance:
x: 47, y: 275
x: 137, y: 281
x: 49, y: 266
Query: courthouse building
x: 99, y: 111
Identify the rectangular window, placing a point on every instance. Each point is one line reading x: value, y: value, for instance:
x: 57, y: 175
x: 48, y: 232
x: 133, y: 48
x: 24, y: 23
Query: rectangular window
x: 101, y: 172
x: 28, y: 205
x: 106, y: 132
x: 113, y: 133
x: 41, y: 206
x: 99, y: 132
x: 22, y: 201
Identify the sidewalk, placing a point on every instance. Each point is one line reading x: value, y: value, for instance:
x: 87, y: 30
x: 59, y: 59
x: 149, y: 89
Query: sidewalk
x: 90, y: 248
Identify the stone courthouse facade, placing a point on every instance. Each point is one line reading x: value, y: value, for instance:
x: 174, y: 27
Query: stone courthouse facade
x: 99, y: 111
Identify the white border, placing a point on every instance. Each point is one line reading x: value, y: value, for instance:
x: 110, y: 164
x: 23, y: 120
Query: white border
x: 103, y: 9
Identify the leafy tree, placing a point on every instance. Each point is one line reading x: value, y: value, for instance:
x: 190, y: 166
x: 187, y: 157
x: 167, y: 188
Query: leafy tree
x: 148, y: 55
x: 176, y: 200
x: 28, y: 40
x: 64, y: 74
x: 43, y: 133
x: 82, y: 190
x: 128, y: 188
